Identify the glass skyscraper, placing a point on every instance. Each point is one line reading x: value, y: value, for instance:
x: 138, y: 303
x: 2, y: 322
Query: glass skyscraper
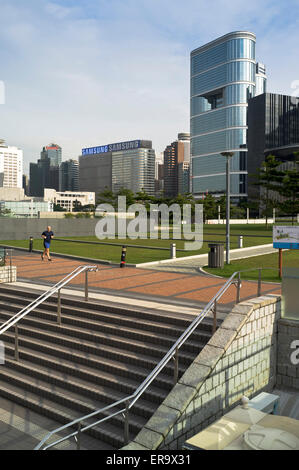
x: 224, y: 73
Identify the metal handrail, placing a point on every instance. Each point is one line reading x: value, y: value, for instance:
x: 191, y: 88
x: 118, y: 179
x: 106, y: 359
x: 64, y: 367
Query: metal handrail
x: 35, y: 303
x: 171, y: 354
x: 131, y: 400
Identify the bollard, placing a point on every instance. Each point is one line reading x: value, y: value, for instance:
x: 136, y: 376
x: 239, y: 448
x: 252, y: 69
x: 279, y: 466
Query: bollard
x: 123, y: 257
x: 240, y: 243
x: 173, y: 251
x: 30, y: 244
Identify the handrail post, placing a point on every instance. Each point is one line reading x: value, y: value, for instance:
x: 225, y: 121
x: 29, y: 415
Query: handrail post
x: 79, y: 436
x: 259, y: 284
x: 86, y: 286
x: 215, y: 317
x: 176, y: 366
x: 126, y: 426
x: 238, y: 288
x: 59, y: 307
x: 16, y: 342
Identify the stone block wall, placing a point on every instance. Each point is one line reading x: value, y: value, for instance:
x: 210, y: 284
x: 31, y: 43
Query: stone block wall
x: 8, y: 274
x: 240, y: 359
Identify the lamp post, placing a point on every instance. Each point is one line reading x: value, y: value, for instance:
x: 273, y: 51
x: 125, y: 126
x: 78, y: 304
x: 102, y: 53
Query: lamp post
x: 228, y: 155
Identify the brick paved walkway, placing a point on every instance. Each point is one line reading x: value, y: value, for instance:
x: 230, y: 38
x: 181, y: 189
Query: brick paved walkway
x: 149, y: 283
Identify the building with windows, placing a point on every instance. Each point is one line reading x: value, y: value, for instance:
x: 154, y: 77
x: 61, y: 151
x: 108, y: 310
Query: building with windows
x: 129, y: 165
x: 174, y: 155
x: 273, y: 128
x: 26, y: 208
x: 224, y: 76
x: 69, y: 175
x: 11, y: 166
x: 70, y: 201
x: 184, y: 178
x: 45, y: 173
x: 53, y: 152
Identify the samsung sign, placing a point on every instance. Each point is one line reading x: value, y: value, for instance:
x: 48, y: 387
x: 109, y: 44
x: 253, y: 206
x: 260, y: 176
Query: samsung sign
x: 130, y: 145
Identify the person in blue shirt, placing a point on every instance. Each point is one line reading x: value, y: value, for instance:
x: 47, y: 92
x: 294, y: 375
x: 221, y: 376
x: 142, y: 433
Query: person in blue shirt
x: 47, y: 235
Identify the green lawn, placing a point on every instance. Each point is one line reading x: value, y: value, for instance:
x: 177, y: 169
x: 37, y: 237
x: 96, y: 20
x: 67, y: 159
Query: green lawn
x: 142, y: 255
x: 290, y: 259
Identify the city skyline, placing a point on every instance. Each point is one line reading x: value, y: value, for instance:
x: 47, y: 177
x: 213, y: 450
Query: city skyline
x: 107, y: 72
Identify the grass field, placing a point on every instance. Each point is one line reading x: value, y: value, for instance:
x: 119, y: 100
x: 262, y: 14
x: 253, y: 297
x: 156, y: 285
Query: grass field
x: 290, y: 259
x: 143, y: 255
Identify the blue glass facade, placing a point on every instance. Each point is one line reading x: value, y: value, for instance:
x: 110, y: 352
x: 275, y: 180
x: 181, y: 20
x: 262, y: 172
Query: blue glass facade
x: 223, y: 79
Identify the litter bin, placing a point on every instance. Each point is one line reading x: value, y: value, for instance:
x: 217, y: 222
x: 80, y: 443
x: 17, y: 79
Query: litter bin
x: 216, y: 255
x: 2, y: 256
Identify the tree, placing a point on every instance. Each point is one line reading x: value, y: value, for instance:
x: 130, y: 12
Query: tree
x: 268, y: 178
x: 58, y: 208
x: 107, y: 197
x: 130, y: 196
x: 289, y: 190
x: 209, y: 207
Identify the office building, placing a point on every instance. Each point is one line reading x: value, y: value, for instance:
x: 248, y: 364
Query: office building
x: 273, y: 128
x: 69, y: 176
x: 129, y: 165
x: 26, y: 184
x: 183, y: 177
x: 53, y: 152
x: 11, y: 166
x: 45, y: 173
x: 175, y: 154
x: 224, y: 76
x: 69, y: 200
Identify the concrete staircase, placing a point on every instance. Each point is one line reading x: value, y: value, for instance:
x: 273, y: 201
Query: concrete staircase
x: 100, y: 354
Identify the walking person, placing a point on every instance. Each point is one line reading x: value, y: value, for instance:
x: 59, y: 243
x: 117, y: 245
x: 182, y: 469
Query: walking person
x: 47, y: 235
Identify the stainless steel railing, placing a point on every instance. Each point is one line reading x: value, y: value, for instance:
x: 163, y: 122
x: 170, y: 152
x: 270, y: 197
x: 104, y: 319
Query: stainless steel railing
x: 129, y: 401
x: 14, y: 321
x: 173, y: 354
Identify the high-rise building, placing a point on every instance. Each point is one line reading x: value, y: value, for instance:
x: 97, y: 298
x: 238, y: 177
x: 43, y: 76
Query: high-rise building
x: 45, y: 173
x: 69, y: 175
x: 184, y: 177
x: 224, y: 76
x: 26, y: 184
x: 53, y: 152
x: 175, y: 153
x: 273, y: 128
x: 11, y: 166
x: 129, y: 165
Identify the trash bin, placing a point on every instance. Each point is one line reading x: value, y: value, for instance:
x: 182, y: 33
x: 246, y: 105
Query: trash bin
x: 2, y: 256
x: 216, y: 255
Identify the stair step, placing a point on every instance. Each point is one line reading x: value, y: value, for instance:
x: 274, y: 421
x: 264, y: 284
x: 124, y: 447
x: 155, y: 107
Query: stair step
x: 89, y: 340
x: 100, y: 354
x: 60, y: 359
x: 109, y: 436
x: 49, y: 319
x: 82, y: 404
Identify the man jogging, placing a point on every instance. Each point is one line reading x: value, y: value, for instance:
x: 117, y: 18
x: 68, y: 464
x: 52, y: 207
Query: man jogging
x: 47, y: 235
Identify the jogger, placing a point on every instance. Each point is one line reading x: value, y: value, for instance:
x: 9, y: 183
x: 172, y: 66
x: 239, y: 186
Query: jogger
x: 47, y: 235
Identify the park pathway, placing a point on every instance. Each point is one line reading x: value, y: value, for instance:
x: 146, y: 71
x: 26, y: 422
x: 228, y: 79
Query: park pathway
x: 176, y: 288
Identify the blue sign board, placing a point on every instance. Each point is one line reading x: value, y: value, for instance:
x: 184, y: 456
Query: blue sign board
x: 286, y: 237
x: 129, y: 145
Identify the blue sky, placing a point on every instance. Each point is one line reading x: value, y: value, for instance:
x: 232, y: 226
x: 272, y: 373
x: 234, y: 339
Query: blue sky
x: 84, y: 73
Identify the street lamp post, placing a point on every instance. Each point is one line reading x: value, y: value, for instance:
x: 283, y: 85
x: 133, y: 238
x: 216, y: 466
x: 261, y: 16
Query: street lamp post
x: 228, y: 155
